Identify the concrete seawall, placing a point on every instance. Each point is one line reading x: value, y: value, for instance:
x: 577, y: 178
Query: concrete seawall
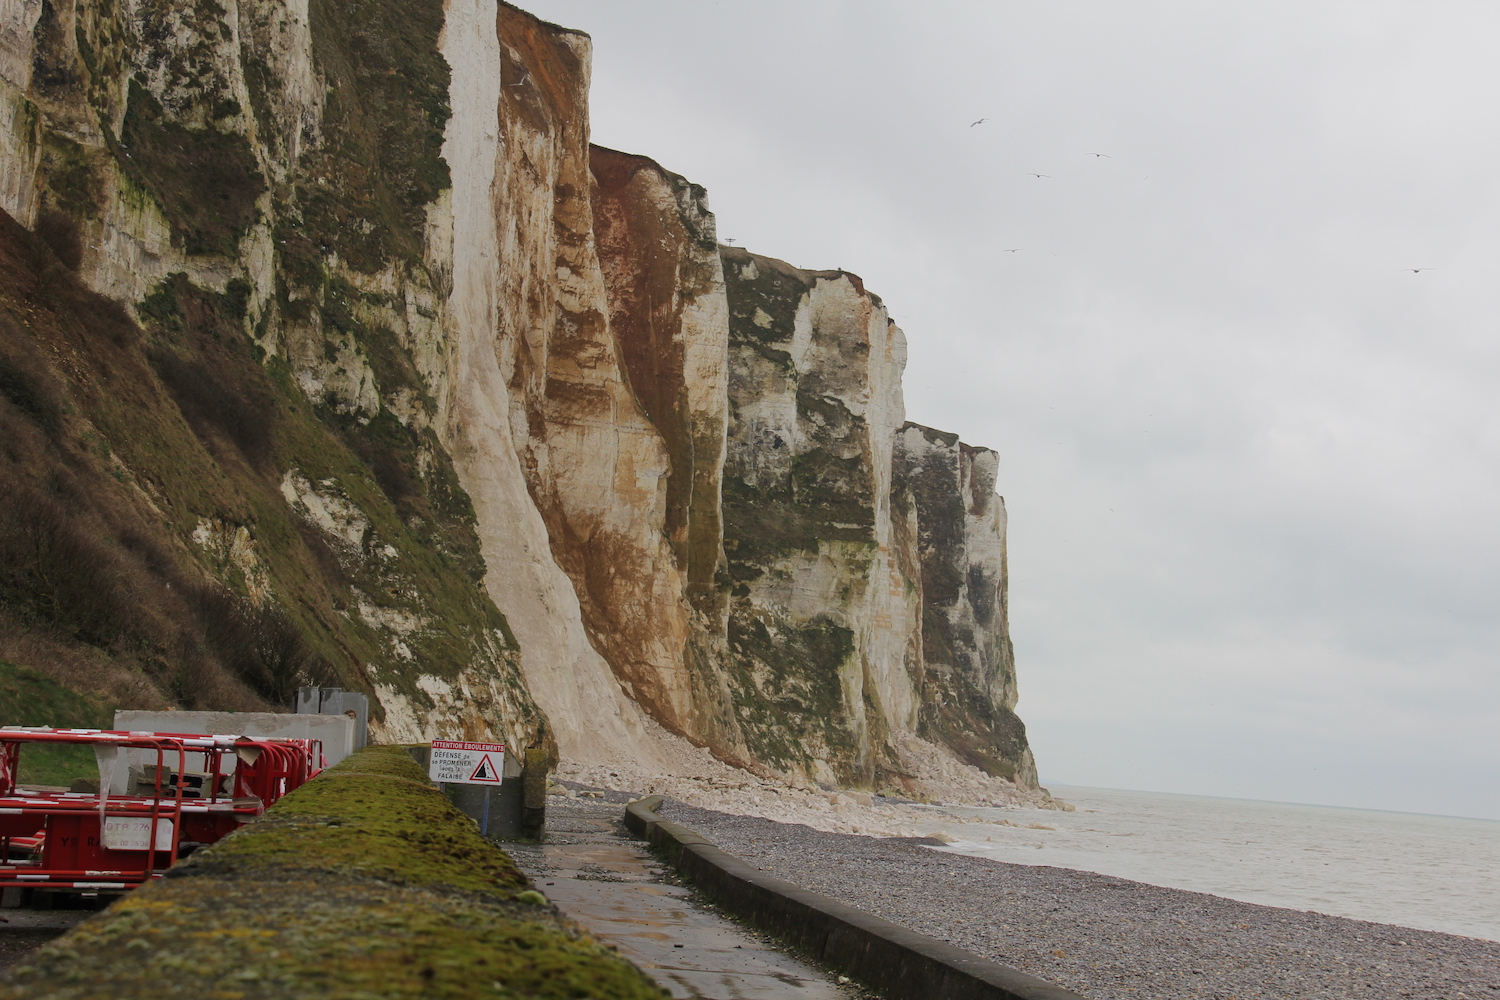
x: 899, y: 963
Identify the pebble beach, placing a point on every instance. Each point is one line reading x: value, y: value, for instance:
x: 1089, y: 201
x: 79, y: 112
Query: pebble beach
x: 1108, y: 938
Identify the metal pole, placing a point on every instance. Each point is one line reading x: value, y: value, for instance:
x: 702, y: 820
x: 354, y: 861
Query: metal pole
x: 484, y: 824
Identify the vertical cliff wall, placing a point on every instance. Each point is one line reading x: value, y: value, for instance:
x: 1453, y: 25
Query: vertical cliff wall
x: 329, y: 321
x: 968, y: 674
x: 669, y: 315
x: 816, y: 624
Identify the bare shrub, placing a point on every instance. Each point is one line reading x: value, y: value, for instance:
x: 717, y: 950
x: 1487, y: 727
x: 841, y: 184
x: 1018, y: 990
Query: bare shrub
x: 25, y: 383
x: 258, y: 643
x: 60, y: 232
x: 58, y: 571
x: 211, y: 403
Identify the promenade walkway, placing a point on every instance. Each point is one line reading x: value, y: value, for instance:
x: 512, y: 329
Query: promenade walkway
x: 612, y: 886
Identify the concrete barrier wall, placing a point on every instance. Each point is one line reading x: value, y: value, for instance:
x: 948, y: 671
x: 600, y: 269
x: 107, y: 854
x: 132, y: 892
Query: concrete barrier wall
x: 899, y: 963
x: 515, y: 810
x: 336, y: 731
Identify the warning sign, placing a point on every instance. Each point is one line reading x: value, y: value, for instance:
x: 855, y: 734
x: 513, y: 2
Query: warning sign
x: 467, y: 763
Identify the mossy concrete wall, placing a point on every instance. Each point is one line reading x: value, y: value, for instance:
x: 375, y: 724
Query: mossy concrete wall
x: 365, y: 882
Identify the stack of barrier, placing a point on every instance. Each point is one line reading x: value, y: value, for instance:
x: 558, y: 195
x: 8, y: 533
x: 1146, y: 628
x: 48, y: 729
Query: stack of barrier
x: 106, y: 841
x: 899, y: 963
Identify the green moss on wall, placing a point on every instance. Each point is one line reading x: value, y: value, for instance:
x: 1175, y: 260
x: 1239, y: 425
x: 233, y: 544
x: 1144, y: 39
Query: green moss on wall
x: 366, y: 882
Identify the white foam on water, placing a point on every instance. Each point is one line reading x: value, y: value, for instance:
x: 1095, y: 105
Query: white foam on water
x: 1435, y: 873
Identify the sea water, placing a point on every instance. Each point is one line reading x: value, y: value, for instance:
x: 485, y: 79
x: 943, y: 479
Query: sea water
x: 1435, y: 873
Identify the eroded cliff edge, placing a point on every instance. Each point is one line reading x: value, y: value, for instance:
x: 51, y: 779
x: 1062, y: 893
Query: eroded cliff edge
x: 483, y: 419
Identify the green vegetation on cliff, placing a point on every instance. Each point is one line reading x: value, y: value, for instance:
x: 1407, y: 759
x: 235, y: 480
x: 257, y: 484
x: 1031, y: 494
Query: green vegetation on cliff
x: 148, y: 553
x: 365, y: 188
x: 205, y: 181
x: 366, y: 882
x: 793, y: 495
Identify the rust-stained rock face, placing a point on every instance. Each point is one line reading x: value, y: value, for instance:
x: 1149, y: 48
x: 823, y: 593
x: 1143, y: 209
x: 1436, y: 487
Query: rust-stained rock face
x: 596, y: 466
x: 668, y: 313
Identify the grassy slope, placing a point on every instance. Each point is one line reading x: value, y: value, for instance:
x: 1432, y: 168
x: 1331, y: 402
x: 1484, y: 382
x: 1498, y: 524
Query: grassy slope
x: 364, y: 883
x: 29, y: 698
x: 117, y: 442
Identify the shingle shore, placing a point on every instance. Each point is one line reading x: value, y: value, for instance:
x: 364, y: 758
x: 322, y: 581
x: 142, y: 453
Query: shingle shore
x: 1110, y: 938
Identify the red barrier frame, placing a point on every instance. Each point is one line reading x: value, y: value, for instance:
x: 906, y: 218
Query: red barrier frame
x: 65, y: 832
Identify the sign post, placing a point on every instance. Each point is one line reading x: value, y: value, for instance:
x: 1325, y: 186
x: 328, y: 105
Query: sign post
x: 454, y: 762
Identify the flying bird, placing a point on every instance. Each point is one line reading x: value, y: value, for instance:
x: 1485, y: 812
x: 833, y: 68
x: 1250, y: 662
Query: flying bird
x: 1105, y: 155
x: 521, y: 82
x: 1418, y: 270
x: 979, y: 122
x: 1041, y: 175
x: 1016, y: 250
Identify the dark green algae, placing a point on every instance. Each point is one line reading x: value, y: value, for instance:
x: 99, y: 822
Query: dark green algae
x: 364, y: 883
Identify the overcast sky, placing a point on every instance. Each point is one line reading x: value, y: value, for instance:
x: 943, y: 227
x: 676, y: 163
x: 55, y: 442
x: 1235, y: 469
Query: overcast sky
x: 1250, y: 463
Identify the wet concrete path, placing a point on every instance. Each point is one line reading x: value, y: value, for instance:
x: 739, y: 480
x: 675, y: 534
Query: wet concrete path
x: 622, y: 895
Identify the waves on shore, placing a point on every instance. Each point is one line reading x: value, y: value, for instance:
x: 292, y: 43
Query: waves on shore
x: 1434, y: 873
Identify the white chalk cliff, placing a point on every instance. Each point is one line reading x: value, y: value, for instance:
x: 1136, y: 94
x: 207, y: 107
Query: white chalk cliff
x: 668, y: 487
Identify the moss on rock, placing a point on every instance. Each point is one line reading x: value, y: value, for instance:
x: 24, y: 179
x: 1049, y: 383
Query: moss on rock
x: 365, y: 189
x: 366, y: 882
x: 205, y: 181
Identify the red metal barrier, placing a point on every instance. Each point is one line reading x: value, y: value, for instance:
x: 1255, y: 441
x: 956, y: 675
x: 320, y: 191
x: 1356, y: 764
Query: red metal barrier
x: 101, y: 841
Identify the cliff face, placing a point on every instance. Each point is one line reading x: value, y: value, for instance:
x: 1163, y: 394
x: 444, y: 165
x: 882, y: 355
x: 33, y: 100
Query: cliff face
x: 820, y: 613
x: 262, y: 187
x: 968, y: 675
x: 668, y: 314
x: 475, y: 417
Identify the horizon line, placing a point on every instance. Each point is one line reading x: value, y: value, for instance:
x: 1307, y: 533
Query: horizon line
x: 1274, y: 802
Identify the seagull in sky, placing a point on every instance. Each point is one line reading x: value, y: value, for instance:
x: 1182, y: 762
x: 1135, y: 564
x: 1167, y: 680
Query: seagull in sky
x: 521, y: 82
x: 1418, y: 270
x: 979, y: 122
x: 1016, y: 250
x: 1041, y: 175
x: 1105, y: 155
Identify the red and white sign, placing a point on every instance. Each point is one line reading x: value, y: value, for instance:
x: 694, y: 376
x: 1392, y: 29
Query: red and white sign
x: 466, y: 763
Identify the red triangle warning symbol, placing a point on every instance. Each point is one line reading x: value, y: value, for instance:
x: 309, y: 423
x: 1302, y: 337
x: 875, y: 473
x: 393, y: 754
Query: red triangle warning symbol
x: 486, y: 771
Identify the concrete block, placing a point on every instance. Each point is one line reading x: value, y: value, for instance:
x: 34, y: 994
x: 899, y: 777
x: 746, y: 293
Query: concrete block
x: 501, y: 812
x: 336, y: 731
x: 337, y: 701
